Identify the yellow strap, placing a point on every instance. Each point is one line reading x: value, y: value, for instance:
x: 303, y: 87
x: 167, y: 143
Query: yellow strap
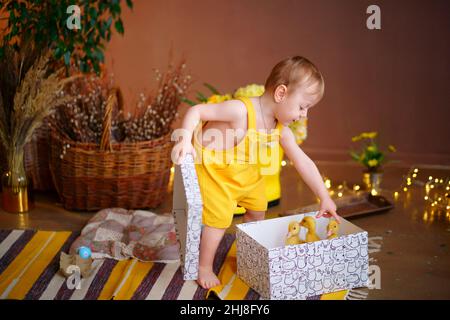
x: 251, y: 116
x: 279, y: 127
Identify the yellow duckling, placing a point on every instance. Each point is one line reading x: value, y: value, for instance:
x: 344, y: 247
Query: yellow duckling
x: 310, y: 224
x: 293, y: 234
x: 332, y: 229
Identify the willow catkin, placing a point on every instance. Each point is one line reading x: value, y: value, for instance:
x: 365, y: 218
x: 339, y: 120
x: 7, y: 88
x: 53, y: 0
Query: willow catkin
x: 82, y: 119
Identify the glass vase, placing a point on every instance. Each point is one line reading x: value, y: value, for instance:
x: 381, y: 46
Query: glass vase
x: 16, y: 193
x: 372, y: 181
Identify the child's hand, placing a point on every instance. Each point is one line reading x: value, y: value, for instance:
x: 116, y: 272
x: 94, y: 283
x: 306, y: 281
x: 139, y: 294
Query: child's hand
x: 180, y: 150
x: 328, y: 209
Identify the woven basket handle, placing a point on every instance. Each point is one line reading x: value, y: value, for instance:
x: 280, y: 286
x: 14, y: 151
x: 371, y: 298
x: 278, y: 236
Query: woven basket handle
x: 105, y: 142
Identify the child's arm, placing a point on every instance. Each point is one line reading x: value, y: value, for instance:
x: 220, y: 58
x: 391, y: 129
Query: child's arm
x: 309, y: 172
x: 227, y: 111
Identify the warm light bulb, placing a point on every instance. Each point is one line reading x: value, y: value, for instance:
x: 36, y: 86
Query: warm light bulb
x: 430, y: 178
x: 283, y: 163
x: 373, y: 192
x: 405, y: 189
x: 172, y: 169
x: 416, y: 170
x: 426, y: 197
x: 340, y: 194
x: 414, y: 175
x: 436, y: 180
x: 356, y: 187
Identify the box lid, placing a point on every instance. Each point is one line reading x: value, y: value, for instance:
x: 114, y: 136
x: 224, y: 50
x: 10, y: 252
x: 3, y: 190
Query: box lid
x: 187, y: 209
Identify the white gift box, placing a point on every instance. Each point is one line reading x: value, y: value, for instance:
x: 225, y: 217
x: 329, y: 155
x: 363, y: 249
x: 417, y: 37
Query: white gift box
x: 281, y: 272
x: 187, y: 209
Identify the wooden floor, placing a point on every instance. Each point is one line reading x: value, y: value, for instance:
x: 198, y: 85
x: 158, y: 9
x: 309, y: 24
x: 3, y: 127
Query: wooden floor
x: 414, y: 260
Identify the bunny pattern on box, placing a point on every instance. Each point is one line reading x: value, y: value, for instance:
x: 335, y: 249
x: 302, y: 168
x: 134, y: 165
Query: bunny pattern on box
x: 327, y: 267
x: 304, y: 270
x: 189, y: 258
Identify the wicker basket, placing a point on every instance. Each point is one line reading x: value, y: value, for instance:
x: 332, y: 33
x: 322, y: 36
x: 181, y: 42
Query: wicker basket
x: 37, y: 153
x: 127, y: 175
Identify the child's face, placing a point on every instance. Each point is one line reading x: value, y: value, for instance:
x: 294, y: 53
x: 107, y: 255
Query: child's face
x: 293, y: 104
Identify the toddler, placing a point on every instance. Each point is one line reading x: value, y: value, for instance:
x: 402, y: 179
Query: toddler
x: 235, y: 141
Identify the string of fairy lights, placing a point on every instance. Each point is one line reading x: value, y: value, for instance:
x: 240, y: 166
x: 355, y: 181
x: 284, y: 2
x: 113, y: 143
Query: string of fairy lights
x: 436, y: 190
x: 339, y: 190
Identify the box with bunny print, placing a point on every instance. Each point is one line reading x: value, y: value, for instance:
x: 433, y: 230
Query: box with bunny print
x: 187, y: 210
x: 279, y: 271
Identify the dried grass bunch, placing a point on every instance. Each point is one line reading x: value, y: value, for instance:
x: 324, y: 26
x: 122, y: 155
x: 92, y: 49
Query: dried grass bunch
x: 36, y: 94
x: 13, y: 67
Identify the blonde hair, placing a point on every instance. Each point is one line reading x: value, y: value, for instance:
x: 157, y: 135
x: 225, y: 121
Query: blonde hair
x: 296, y: 72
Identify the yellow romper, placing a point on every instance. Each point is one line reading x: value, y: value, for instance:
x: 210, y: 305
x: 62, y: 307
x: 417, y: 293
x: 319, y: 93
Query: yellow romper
x: 234, y: 176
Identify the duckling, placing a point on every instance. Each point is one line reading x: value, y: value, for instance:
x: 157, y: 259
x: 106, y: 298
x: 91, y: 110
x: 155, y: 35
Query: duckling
x: 332, y: 229
x: 293, y: 234
x: 310, y: 224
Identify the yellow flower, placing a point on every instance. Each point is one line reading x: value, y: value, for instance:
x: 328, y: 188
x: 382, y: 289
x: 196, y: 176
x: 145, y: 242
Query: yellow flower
x: 218, y: 98
x: 356, y: 138
x: 369, y: 135
x: 391, y: 148
x: 365, y: 135
x: 371, y: 148
x: 372, y: 163
x: 251, y: 90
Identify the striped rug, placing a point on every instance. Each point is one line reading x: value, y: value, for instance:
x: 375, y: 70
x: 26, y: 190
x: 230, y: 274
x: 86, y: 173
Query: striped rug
x: 29, y: 264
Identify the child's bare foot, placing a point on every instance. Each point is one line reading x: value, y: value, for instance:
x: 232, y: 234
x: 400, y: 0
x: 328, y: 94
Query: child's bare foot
x: 206, y: 278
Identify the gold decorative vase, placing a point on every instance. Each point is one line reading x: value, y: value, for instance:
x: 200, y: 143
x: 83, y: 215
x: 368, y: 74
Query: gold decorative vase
x: 372, y: 181
x: 16, y: 194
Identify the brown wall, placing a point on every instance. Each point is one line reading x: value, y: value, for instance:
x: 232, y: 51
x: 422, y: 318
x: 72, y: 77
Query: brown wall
x: 394, y: 80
